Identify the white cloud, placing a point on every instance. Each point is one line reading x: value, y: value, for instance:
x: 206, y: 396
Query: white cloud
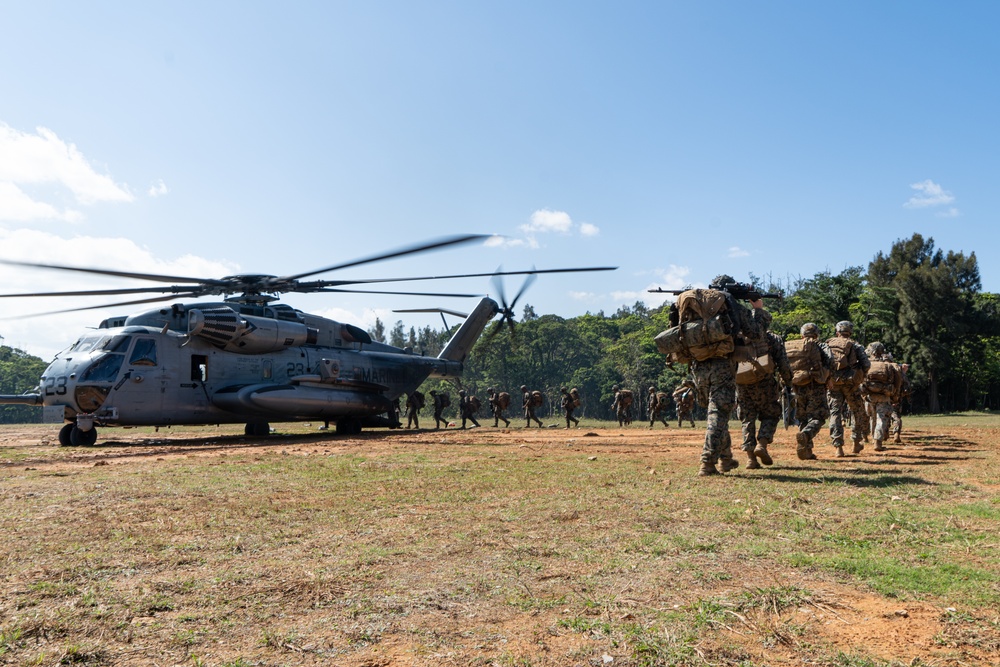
x: 548, y: 221
x: 582, y: 296
x: 588, y: 229
x: 45, y: 336
x: 736, y: 251
x: 950, y: 213
x: 158, y: 189
x: 44, y: 162
x: 17, y: 206
x: 928, y: 194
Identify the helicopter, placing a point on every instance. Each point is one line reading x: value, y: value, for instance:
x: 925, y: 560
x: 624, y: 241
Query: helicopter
x: 246, y: 359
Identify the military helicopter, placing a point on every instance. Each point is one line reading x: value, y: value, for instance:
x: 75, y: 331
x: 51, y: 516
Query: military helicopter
x: 246, y: 359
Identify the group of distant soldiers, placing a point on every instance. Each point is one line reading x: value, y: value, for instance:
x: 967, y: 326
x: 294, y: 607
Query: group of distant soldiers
x: 745, y: 366
x: 683, y: 398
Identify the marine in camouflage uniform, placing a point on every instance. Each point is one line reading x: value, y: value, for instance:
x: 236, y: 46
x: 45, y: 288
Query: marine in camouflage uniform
x: 412, y: 411
x: 622, y: 410
x: 529, y: 407
x: 762, y: 400
x: 438, y: 409
x: 496, y: 408
x: 811, y: 406
x: 467, y: 409
x: 847, y: 396
x: 568, y: 405
x: 882, y: 396
x: 684, y: 402
x: 656, y: 408
x: 715, y: 382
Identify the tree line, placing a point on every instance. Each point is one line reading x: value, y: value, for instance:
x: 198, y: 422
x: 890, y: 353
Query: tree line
x: 923, y: 303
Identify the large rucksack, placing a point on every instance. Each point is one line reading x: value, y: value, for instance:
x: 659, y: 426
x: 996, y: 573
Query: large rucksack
x: 625, y: 398
x: 537, y: 398
x: 574, y: 393
x: 759, y: 366
x: 418, y: 400
x: 705, y: 328
x: 445, y: 400
x: 475, y: 404
x: 881, y: 377
x: 662, y: 399
x: 806, y: 361
x: 845, y: 361
x: 503, y: 400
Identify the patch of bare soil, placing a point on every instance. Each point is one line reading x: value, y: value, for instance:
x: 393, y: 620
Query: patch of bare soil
x: 835, y: 618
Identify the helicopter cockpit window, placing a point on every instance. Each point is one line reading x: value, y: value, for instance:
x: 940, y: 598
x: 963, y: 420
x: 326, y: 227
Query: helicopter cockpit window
x: 105, y: 369
x: 144, y: 353
x: 118, y: 344
x: 88, y: 343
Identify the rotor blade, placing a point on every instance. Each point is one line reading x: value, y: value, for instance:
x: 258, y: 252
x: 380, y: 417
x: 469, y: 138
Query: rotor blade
x: 494, y: 330
x: 527, y: 283
x: 336, y: 283
x: 105, y: 305
x: 176, y: 289
x: 119, y: 274
x: 367, y: 291
x: 498, y: 285
x: 408, y: 250
x: 431, y: 310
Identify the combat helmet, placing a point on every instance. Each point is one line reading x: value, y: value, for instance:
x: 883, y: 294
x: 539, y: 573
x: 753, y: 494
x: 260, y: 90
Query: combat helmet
x: 652, y: 390
x: 845, y: 326
x: 524, y: 387
x: 614, y: 387
x: 563, y: 390
x: 809, y: 330
x: 723, y: 279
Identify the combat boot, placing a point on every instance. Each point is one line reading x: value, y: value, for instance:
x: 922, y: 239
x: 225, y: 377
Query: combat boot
x: 707, y: 469
x: 858, y: 446
x: 878, y: 446
x: 728, y: 464
x: 802, y: 449
x: 898, y: 441
x: 840, y: 452
x: 761, y: 453
x: 752, y: 461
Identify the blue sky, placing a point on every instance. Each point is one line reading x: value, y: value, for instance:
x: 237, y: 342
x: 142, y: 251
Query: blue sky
x: 676, y: 140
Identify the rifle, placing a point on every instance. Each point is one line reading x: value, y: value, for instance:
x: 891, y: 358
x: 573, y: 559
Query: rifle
x: 788, y: 407
x: 737, y: 290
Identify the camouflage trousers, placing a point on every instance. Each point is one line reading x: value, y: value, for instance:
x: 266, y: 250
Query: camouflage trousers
x: 758, y: 401
x: 569, y: 416
x: 896, y: 427
x: 841, y: 399
x: 529, y: 416
x: 658, y: 413
x: 811, y: 408
x: 624, y: 415
x: 715, y: 382
x: 498, y: 415
x: 684, y: 413
x: 883, y: 417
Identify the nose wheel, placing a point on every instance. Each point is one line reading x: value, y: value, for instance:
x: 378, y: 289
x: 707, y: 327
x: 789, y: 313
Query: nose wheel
x: 71, y: 435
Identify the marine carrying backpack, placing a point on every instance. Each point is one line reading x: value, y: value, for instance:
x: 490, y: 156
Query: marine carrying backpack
x: 806, y: 360
x: 881, y: 377
x: 537, y: 398
x: 475, y: 404
x: 625, y: 398
x: 845, y: 361
x: 705, y: 328
x: 574, y: 393
x: 503, y: 400
x: 445, y: 400
x: 418, y: 400
x: 759, y: 366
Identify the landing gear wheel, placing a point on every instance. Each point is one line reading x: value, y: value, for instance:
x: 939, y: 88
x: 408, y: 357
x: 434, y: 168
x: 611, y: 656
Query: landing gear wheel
x: 80, y: 438
x: 64, y: 435
x: 257, y: 429
x: 348, y: 427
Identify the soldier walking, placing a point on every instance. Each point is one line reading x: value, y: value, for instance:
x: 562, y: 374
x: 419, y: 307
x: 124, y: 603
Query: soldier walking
x: 622, y: 405
x: 528, y: 401
x: 569, y: 404
x: 440, y: 403
x: 656, y: 406
x: 758, y: 396
x: 414, y: 403
x: 684, y: 402
x: 850, y: 363
x: 468, y: 406
x: 881, y: 387
x: 810, y: 362
x: 498, y: 404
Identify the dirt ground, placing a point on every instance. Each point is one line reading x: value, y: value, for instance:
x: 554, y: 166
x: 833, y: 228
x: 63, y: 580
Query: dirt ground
x: 839, y: 617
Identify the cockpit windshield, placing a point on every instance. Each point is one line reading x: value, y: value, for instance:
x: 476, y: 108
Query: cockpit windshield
x: 104, y: 369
